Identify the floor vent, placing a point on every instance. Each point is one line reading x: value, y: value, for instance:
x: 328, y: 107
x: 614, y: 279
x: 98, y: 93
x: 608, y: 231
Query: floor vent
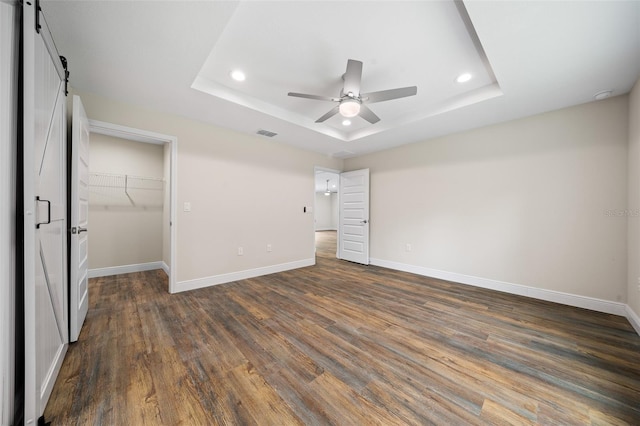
x: 266, y: 133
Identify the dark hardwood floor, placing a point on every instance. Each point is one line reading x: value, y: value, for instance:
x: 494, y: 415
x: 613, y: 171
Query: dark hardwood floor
x: 344, y: 344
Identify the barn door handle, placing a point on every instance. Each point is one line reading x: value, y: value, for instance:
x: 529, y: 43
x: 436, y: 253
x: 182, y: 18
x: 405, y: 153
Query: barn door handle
x: 48, y: 212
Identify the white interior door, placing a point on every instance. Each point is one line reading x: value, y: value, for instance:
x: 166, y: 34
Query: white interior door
x: 45, y: 212
x: 353, y: 232
x: 79, y: 263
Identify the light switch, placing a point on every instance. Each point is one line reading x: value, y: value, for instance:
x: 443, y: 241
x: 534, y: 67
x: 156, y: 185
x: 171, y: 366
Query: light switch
x: 187, y: 207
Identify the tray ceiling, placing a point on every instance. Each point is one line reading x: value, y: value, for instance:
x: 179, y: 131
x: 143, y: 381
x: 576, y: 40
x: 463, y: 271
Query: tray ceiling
x: 526, y: 57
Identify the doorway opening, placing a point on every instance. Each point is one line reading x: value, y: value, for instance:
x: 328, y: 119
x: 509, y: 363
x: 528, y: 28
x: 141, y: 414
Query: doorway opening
x: 326, y: 212
x: 149, y: 192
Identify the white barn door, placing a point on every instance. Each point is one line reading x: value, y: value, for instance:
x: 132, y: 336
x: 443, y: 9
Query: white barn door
x: 45, y: 229
x: 353, y: 228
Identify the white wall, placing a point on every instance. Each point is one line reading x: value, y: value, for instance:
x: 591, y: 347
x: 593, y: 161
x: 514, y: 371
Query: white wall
x: 125, y: 231
x: 335, y: 210
x: 166, y: 209
x: 8, y: 147
x: 633, y: 216
x: 223, y: 174
x: 532, y: 202
x: 326, y: 212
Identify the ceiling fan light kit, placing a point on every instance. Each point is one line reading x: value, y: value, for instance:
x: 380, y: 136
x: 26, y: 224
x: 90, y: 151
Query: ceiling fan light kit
x: 351, y: 102
x: 349, y: 108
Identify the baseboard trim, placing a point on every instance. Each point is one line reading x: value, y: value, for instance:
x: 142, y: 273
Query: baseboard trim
x: 241, y: 275
x: 52, y: 375
x: 126, y: 269
x: 325, y: 229
x: 165, y: 267
x: 633, y: 318
x: 577, y: 301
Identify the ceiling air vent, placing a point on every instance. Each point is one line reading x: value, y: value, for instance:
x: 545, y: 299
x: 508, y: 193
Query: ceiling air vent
x: 342, y: 154
x: 266, y: 133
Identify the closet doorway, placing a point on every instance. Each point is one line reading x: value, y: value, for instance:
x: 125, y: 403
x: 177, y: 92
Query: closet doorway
x: 327, y: 184
x: 131, y: 201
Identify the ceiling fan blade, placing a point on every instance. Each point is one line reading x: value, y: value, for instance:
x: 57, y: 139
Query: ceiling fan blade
x: 316, y: 97
x: 387, y: 95
x: 368, y: 115
x: 328, y: 115
x: 352, y: 77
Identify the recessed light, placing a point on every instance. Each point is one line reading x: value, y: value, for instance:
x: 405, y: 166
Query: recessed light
x: 238, y: 75
x: 346, y: 122
x: 463, y: 78
x: 602, y: 95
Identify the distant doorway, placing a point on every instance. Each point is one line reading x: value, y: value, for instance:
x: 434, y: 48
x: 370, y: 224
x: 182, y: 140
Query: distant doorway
x: 326, y: 205
x: 326, y: 200
x: 326, y: 244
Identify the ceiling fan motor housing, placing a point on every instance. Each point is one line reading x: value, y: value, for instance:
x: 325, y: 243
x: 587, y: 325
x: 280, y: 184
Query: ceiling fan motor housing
x: 351, y: 103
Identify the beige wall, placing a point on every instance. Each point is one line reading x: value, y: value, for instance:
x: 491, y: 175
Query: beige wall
x: 540, y: 201
x: 125, y: 231
x: 526, y: 202
x: 229, y: 178
x: 633, y: 284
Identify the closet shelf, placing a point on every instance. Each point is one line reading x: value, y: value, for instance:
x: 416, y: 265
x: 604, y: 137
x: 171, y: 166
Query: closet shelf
x: 110, y: 180
x: 109, y: 189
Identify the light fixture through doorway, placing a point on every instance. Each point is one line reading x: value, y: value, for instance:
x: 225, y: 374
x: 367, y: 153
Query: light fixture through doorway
x: 327, y: 192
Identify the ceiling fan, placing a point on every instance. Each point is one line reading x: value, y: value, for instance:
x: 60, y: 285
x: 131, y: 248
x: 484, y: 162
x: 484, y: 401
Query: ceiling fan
x: 351, y: 102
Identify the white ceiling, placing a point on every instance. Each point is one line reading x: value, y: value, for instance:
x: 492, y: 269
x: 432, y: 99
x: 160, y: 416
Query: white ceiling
x: 526, y: 57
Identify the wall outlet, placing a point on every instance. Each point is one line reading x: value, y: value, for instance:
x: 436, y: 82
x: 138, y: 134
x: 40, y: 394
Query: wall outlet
x: 186, y: 207
x: 407, y: 247
x: 269, y: 248
x: 240, y: 251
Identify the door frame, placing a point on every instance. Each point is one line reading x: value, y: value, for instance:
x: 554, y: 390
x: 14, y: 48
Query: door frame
x: 9, y: 39
x: 139, y: 135
x: 9, y: 16
x: 317, y: 169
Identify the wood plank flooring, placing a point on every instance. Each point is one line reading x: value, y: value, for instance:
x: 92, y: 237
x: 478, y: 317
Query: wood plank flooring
x: 342, y: 344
